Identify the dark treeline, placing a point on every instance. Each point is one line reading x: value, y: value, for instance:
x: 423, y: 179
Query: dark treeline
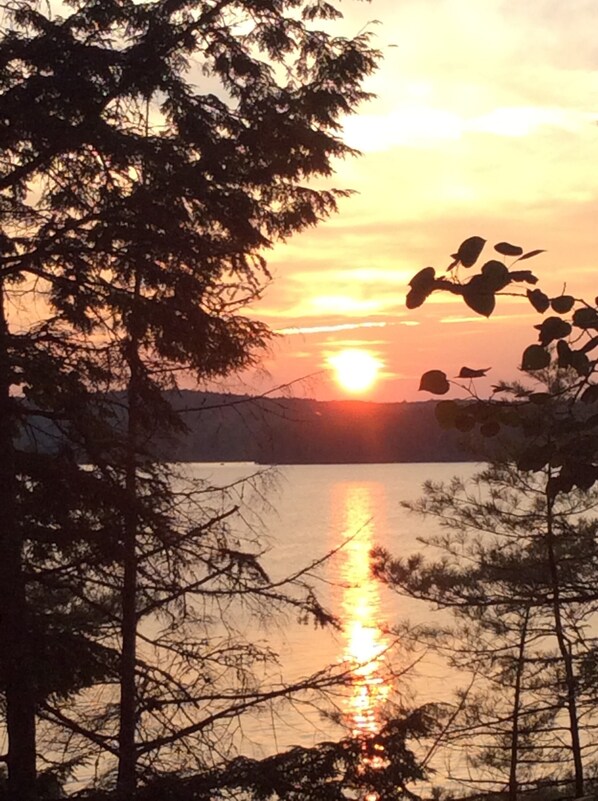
x: 300, y: 431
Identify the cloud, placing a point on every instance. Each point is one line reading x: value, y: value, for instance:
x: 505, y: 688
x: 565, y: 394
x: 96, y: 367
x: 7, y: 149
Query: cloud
x: 323, y: 329
x: 526, y: 120
x: 427, y: 126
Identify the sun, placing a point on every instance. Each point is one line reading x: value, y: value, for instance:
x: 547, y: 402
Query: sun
x: 355, y: 370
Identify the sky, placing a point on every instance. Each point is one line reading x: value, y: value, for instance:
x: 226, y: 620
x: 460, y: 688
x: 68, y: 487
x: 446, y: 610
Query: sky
x: 485, y: 122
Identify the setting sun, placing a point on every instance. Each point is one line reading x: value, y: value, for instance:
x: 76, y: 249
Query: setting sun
x: 355, y: 370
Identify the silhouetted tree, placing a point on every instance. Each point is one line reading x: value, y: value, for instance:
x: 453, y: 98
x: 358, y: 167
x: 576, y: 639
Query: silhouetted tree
x: 553, y: 423
x: 151, y: 154
x: 518, y: 570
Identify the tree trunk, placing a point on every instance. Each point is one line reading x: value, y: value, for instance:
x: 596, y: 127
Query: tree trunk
x: 563, y: 644
x: 128, y: 691
x: 513, y: 784
x: 126, y: 782
x: 14, y: 634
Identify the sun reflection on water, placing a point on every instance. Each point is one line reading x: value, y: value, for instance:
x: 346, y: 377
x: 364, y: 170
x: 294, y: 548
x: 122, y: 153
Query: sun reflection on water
x: 365, y: 642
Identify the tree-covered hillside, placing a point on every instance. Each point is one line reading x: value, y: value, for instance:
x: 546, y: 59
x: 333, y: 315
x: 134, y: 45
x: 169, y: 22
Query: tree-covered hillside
x: 299, y: 431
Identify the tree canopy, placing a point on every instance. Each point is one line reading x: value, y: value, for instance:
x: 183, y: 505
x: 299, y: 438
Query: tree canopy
x: 151, y: 153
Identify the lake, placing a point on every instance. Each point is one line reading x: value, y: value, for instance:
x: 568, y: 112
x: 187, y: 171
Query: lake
x: 307, y: 512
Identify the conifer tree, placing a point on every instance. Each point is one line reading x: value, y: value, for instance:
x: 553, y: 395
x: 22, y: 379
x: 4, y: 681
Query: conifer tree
x: 151, y: 153
x: 517, y: 569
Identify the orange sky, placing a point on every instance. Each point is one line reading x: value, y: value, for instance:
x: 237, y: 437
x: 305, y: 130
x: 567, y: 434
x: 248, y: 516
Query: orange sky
x: 485, y: 123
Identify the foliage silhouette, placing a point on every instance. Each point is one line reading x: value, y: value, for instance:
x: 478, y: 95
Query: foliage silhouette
x: 151, y: 154
x: 517, y: 569
x: 570, y: 442
x: 553, y: 452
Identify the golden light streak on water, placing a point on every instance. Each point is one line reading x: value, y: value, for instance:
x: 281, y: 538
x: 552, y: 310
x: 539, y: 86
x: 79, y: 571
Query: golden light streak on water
x: 365, y: 643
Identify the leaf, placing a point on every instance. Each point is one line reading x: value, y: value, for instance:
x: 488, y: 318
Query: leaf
x: 481, y: 303
x: 553, y: 328
x: 523, y: 275
x: 423, y: 279
x: 576, y: 359
x: 446, y: 412
x: 469, y: 251
x: 490, y: 429
x: 538, y: 300
x: 479, y: 296
x: 562, y: 304
x: 530, y: 254
x: 468, y: 372
x: 564, y: 353
x: 535, y: 358
x: 465, y: 421
x: 585, y: 318
x: 505, y: 249
x: 422, y: 284
x: 415, y: 298
x: 495, y: 274
x: 434, y: 381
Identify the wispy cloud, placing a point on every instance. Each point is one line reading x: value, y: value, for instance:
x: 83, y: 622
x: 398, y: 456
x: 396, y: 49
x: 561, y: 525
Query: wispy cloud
x: 324, y: 329
x: 425, y: 126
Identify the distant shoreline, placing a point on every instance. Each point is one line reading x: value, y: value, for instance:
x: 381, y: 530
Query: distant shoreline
x: 298, y: 431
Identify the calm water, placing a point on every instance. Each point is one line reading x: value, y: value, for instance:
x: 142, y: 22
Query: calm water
x: 310, y: 511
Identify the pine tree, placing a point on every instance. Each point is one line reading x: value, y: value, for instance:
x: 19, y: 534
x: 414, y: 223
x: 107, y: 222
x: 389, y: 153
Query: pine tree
x: 517, y: 569
x: 152, y: 152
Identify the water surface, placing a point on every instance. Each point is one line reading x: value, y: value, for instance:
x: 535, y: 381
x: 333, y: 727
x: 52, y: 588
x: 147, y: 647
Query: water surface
x: 310, y: 511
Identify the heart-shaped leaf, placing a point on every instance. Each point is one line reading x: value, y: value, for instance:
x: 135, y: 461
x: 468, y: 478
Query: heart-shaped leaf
x: 561, y: 483
x: 422, y: 284
x: 576, y: 359
x: 490, y: 429
x: 580, y: 362
x: 415, y: 298
x: 446, y: 412
x: 434, y: 381
x: 538, y: 300
x: 469, y: 251
x: 562, y: 304
x: 495, y: 274
x: 464, y: 421
x: 423, y: 279
x: 479, y: 295
x: 535, y: 358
